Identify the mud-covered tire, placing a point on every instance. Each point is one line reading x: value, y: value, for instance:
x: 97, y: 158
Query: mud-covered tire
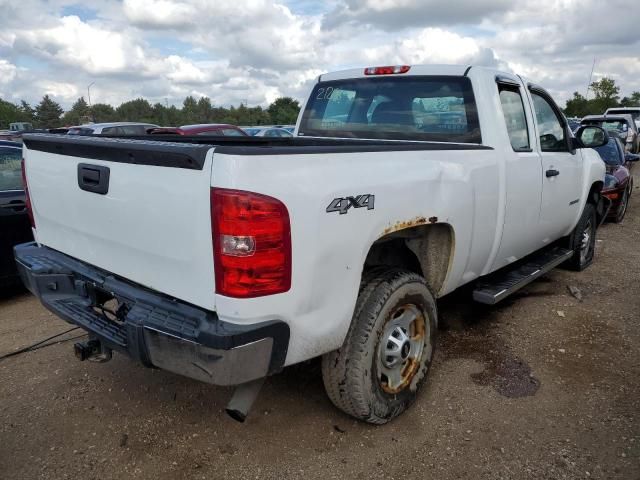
x: 352, y: 373
x: 587, y: 225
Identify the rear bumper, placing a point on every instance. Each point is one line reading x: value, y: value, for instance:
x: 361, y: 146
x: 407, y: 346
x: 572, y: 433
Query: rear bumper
x: 152, y: 328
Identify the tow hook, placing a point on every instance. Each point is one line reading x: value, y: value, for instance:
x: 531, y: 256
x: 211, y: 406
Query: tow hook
x: 93, y: 351
x: 243, y: 397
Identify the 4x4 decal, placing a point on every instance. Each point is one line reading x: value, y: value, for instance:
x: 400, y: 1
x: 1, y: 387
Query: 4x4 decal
x: 343, y: 204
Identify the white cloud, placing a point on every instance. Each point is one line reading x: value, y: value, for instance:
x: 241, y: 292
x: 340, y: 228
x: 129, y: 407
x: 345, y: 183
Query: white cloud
x: 399, y: 14
x: 160, y: 13
x: 256, y: 50
x: 7, y: 72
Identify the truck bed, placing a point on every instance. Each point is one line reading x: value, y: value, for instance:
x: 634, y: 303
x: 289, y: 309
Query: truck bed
x: 184, y: 151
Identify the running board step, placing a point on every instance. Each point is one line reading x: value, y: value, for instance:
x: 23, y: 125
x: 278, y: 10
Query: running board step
x: 497, y: 286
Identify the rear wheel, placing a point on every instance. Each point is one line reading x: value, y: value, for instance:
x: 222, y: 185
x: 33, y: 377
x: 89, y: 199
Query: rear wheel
x: 583, y: 239
x: 387, y: 353
x: 622, y: 208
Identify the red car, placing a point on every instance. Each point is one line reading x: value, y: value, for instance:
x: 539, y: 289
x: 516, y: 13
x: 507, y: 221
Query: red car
x: 618, y: 181
x: 201, y: 129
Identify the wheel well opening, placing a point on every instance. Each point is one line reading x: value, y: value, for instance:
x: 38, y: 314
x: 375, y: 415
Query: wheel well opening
x: 594, y: 192
x: 425, y: 249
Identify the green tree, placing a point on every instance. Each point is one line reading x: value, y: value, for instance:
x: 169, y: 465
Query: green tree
x: 101, y: 113
x: 138, y: 110
x: 577, y: 106
x: 284, y: 111
x: 9, y: 113
x: 204, y: 110
x: 606, y: 88
x: 78, y: 114
x: 48, y: 113
x: 189, y: 111
x: 27, y: 113
x: 631, y: 101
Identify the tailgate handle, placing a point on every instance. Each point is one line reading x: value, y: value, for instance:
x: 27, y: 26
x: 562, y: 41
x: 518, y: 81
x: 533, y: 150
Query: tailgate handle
x: 93, y: 178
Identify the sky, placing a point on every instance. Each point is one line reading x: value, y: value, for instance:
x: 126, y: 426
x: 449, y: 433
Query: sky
x: 253, y: 51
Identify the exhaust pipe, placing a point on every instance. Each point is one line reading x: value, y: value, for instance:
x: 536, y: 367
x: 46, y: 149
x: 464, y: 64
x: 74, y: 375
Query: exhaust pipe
x: 243, y: 398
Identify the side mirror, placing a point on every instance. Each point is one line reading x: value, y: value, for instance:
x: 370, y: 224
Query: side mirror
x: 592, y: 136
x: 631, y: 157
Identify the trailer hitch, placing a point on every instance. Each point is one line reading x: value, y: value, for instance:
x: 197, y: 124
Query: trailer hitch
x: 92, y: 350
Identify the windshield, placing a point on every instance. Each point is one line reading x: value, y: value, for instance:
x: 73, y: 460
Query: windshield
x: 434, y: 108
x: 611, y: 153
x: 635, y: 114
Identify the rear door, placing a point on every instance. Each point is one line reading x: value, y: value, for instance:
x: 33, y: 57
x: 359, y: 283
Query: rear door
x: 562, y: 168
x: 138, y: 209
x: 523, y: 186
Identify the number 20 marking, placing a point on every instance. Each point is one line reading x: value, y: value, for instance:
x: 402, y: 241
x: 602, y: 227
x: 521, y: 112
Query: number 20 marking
x: 324, y: 93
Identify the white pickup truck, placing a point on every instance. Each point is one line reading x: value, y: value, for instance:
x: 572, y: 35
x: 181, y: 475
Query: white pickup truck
x: 227, y: 259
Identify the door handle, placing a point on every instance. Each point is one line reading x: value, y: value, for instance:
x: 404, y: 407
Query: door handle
x: 93, y: 178
x: 552, y: 173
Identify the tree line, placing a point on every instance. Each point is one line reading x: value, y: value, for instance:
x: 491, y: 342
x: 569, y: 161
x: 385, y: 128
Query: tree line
x: 49, y: 114
x: 605, y: 94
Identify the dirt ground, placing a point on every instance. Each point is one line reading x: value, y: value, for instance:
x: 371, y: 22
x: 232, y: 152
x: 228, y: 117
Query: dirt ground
x: 542, y: 386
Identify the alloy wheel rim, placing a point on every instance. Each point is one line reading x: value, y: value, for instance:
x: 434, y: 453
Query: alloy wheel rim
x: 586, y: 241
x: 401, y: 348
x: 623, y: 204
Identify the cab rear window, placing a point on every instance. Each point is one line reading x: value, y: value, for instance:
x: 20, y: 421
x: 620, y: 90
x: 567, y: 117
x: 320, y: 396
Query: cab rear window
x: 435, y: 108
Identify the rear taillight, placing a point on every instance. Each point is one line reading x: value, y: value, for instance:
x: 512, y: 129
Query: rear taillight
x: 251, y: 244
x: 388, y: 70
x: 27, y: 200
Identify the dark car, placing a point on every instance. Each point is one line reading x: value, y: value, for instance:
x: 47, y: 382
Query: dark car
x: 618, y: 181
x: 622, y: 126
x: 15, y: 227
x: 223, y: 129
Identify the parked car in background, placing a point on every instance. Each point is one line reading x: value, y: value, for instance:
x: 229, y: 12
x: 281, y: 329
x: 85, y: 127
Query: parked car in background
x: 621, y: 125
x: 618, y: 181
x: 21, y: 127
x: 8, y: 135
x: 220, y: 129
x: 119, y: 128
x: 574, y: 123
x: 633, y: 111
x: 15, y: 227
x: 60, y: 130
x: 268, y: 132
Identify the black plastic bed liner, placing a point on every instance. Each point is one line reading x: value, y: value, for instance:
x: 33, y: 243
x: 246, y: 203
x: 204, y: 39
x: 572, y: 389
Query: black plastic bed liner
x: 182, y: 151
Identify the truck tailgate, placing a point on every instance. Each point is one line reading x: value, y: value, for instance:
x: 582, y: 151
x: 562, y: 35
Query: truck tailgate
x: 152, y: 226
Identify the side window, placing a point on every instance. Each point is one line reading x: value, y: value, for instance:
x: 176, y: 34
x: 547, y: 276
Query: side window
x: 231, y: 132
x: 10, y: 172
x: 109, y: 131
x: 515, y: 118
x: 132, y: 130
x: 550, y: 129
